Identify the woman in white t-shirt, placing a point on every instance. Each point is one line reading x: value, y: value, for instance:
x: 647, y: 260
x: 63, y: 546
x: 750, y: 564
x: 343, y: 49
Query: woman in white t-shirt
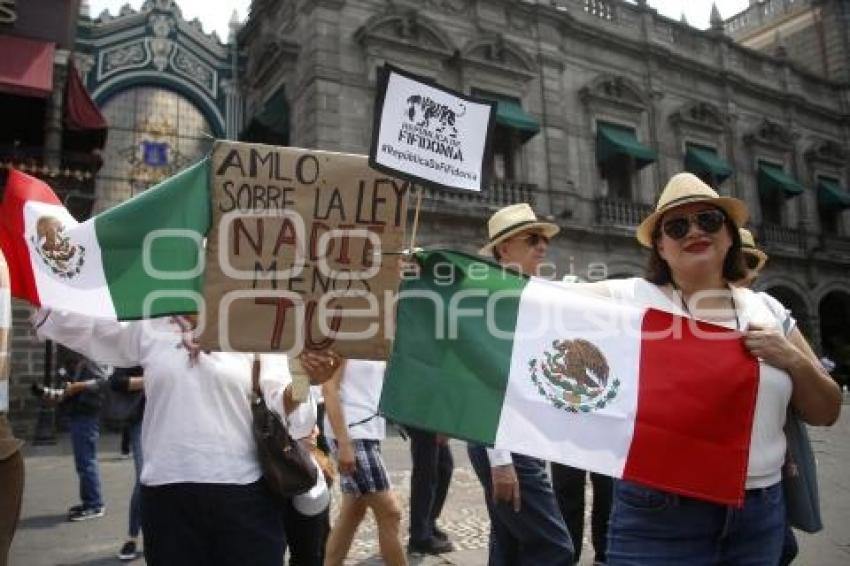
x: 202, y: 498
x: 695, y: 256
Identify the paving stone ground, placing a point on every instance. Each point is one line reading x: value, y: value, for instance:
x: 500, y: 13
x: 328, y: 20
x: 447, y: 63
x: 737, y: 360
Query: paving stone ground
x: 44, y: 538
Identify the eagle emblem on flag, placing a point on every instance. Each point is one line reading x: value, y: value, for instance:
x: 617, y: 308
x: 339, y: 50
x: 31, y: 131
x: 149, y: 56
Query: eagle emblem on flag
x: 574, y: 375
x: 52, y: 244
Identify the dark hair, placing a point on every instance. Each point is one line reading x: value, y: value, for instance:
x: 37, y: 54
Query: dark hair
x: 734, y: 267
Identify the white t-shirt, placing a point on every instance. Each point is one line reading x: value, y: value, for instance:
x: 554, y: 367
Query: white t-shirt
x: 359, y: 393
x: 197, y: 422
x: 767, y: 446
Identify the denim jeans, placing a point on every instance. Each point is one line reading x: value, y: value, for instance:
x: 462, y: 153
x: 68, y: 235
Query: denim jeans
x: 568, y: 483
x: 85, y: 431
x: 430, y: 477
x: 534, y: 536
x: 651, y: 527
x: 135, y: 431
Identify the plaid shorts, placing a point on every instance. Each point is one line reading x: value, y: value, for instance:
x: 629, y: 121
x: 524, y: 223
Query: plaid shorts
x: 370, y: 474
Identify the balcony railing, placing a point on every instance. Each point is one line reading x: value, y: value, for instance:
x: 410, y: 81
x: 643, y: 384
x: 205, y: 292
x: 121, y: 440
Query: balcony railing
x: 782, y: 238
x: 621, y: 213
x: 835, y: 245
x: 500, y: 193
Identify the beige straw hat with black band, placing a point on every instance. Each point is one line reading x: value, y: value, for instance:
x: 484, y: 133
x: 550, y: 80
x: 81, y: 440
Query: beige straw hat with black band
x: 748, y: 246
x: 512, y: 220
x: 685, y: 188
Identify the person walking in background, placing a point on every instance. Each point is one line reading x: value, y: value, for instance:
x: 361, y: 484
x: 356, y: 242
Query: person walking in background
x: 83, y: 397
x: 430, y: 476
x: 129, y: 383
x: 356, y: 431
x: 526, y: 526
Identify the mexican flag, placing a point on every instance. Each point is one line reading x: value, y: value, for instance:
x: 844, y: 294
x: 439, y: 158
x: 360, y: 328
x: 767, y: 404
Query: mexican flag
x: 140, y: 259
x: 528, y: 365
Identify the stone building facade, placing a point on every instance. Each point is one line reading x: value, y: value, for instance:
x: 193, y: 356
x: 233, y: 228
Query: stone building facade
x: 600, y: 102
x: 166, y: 90
x: 165, y: 87
x: 813, y: 34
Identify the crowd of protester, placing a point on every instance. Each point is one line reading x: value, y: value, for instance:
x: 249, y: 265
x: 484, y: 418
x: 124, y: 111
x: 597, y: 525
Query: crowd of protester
x: 199, y: 497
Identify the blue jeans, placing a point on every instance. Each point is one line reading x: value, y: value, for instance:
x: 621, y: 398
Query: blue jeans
x: 85, y: 431
x: 536, y: 535
x: 135, y: 499
x: 652, y: 527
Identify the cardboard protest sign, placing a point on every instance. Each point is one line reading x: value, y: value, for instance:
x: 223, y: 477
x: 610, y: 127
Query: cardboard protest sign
x: 295, y: 256
x: 429, y: 134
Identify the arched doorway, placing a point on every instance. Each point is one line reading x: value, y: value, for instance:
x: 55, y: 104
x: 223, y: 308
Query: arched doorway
x: 792, y: 301
x: 834, y: 310
x: 153, y: 133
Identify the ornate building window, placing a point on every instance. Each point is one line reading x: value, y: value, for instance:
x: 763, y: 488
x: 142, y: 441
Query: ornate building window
x: 619, y: 154
x: 827, y: 160
x: 153, y: 133
x: 699, y: 127
x: 514, y: 127
x: 618, y: 106
x: 775, y: 186
x: 704, y: 162
x: 833, y: 199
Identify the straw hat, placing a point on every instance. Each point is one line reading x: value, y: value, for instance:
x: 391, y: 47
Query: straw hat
x: 748, y: 246
x: 512, y: 220
x: 685, y: 188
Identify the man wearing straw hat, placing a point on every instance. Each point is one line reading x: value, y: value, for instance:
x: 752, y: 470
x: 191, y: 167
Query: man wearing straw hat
x: 526, y: 526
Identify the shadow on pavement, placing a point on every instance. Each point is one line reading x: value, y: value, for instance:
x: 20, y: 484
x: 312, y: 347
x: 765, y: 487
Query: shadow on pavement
x: 42, y: 521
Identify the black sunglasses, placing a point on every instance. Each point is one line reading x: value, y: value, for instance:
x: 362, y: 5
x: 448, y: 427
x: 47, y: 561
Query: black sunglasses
x: 533, y: 239
x: 709, y: 221
x: 751, y: 261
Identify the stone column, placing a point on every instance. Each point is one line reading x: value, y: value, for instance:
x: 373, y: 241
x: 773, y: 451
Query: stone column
x: 53, y: 115
x: 233, y: 109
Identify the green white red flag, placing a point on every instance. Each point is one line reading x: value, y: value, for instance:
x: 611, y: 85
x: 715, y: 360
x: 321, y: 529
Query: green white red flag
x: 525, y: 364
x: 140, y: 259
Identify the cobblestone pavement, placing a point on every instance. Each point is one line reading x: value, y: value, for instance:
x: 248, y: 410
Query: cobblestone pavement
x: 44, y: 538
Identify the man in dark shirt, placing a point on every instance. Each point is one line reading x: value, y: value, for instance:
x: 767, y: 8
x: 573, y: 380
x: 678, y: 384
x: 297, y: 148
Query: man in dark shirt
x: 82, y: 398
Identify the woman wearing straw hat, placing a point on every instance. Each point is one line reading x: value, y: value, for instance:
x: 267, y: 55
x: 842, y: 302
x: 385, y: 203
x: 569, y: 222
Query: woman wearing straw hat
x: 754, y: 258
x: 695, y: 256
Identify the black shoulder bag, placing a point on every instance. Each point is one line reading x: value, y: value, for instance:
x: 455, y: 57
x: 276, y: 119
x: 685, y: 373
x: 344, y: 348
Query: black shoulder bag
x: 287, y: 467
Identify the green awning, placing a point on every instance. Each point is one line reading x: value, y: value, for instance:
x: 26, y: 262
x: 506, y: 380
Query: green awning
x: 831, y: 195
x: 271, y: 124
x: 615, y: 141
x: 772, y: 179
x: 704, y: 160
x: 511, y: 115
